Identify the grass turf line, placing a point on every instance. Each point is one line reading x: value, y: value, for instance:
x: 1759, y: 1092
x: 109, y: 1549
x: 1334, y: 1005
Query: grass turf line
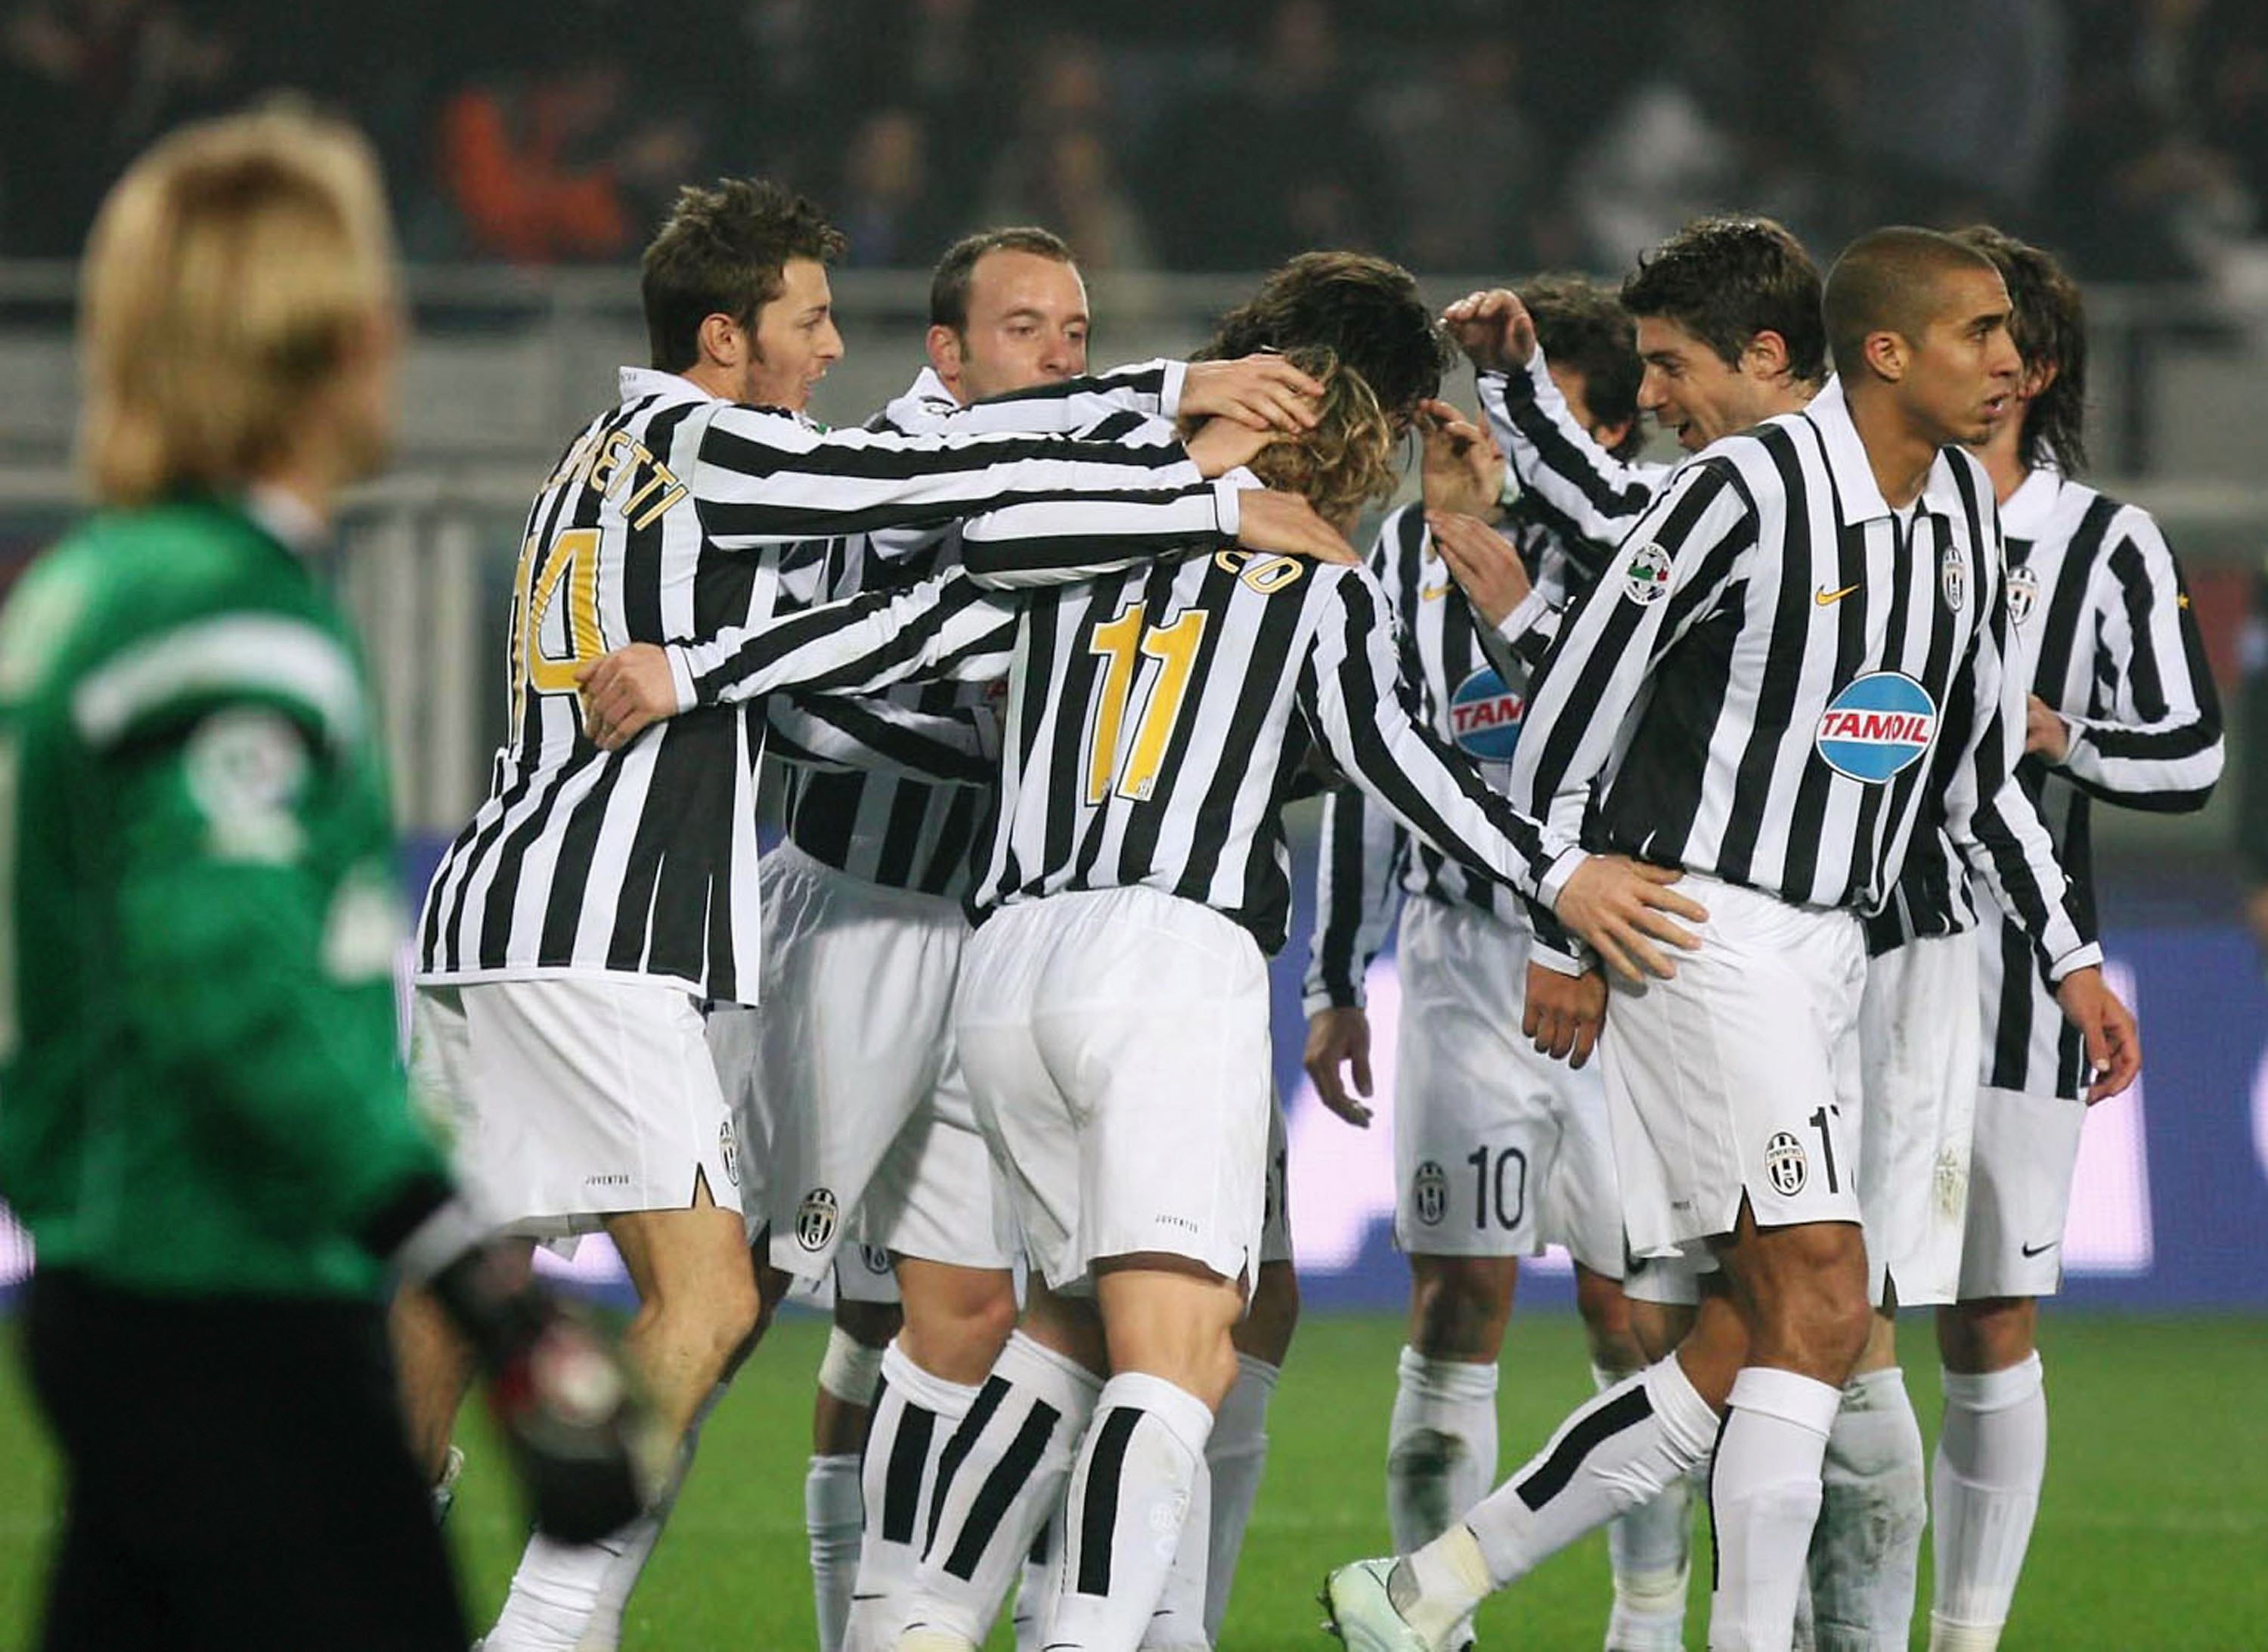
x: 2151, y: 1534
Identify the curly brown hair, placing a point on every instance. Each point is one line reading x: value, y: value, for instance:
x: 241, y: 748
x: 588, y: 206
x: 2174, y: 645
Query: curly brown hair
x: 1346, y: 461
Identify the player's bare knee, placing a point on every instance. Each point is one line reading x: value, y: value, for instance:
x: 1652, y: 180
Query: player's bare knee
x: 1460, y: 1305
x: 1990, y: 1334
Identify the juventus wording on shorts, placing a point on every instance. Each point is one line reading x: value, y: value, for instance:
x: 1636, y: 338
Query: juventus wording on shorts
x: 1764, y: 673
x: 664, y: 521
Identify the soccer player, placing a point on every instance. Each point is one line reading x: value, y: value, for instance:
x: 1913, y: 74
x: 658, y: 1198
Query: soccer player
x: 597, y: 899
x: 1498, y: 1149
x: 2122, y: 709
x: 875, y: 1154
x: 1801, y: 618
x: 206, y: 1129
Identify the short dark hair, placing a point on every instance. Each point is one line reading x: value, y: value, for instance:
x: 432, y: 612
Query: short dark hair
x: 2049, y: 325
x: 1583, y: 327
x: 956, y: 272
x: 1725, y: 280
x: 1886, y: 281
x: 721, y: 253
x: 1366, y: 311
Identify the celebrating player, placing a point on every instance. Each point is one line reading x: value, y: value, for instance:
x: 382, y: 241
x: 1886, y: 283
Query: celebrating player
x: 1796, y: 625
x: 1498, y: 1149
x: 2121, y: 708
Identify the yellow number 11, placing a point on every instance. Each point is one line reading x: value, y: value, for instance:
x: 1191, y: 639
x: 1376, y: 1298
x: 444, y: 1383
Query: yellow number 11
x: 1123, y: 643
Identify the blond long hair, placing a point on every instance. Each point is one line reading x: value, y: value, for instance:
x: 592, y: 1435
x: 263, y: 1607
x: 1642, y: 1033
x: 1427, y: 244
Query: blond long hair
x: 1346, y: 461
x: 230, y: 272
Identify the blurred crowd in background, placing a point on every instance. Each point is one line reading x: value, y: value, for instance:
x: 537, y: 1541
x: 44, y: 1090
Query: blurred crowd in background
x: 1457, y: 135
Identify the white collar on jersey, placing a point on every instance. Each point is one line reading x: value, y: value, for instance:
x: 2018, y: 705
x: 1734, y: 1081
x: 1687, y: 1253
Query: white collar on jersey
x: 670, y: 386
x: 287, y: 518
x: 926, y: 401
x: 1855, y: 487
x: 2027, y: 512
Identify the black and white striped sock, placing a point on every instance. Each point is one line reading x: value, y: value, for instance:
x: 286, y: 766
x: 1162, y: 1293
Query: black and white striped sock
x: 998, y: 1479
x: 1129, y: 1500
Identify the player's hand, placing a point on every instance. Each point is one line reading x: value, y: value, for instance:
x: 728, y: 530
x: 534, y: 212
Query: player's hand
x: 1482, y: 563
x: 1493, y: 328
x: 623, y: 691
x: 1461, y: 469
x: 2114, y: 1045
x: 1264, y: 392
x: 1221, y: 444
x: 2046, y: 733
x: 1621, y: 907
x: 1288, y: 525
x: 589, y: 1454
x: 1564, y: 1013
x: 1340, y: 1037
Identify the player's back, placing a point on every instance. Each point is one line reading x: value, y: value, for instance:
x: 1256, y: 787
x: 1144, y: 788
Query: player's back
x: 1153, y: 724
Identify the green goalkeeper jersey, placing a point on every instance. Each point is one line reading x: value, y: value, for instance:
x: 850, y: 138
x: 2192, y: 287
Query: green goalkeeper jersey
x: 199, y: 1085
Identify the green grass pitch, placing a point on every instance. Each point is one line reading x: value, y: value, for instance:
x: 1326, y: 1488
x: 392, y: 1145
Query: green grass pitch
x: 2153, y: 1533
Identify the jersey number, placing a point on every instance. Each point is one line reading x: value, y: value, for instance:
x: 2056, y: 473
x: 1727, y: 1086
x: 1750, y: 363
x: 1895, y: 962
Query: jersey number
x: 1123, y: 644
x: 1489, y: 1179
x: 571, y: 568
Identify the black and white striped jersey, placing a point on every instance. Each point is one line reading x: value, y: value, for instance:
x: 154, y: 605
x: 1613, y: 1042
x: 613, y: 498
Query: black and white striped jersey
x: 907, y: 818
x: 1365, y: 859
x: 1158, y: 717
x: 2104, y: 633
x: 1759, y: 684
x: 676, y: 516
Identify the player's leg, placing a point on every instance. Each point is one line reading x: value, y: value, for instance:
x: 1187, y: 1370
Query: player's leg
x: 1236, y: 1452
x: 842, y: 1415
x: 1992, y: 1459
x: 1650, y: 1548
x: 616, y: 1098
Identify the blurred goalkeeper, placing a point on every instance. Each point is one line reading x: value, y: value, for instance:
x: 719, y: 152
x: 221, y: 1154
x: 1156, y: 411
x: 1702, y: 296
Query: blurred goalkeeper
x: 206, y: 1129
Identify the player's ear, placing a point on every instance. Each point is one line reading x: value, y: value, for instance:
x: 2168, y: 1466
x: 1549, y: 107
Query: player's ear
x: 723, y: 340
x: 2037, y: 378
x: 944, y: 347
x: 1611, y: 437
x: 1765, y: 355
x: 1886, y: 353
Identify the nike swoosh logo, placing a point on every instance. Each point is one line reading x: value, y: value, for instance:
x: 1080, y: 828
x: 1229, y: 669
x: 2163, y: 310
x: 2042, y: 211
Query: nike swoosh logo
x: 1826, y: 598
x: 2040, y: 1250
x: 1432, y: 592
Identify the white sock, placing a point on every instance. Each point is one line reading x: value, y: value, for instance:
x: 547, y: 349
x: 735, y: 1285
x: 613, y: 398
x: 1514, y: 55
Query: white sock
x: 1764, y: 1500
x: 1865, y: 1551
x: 1991, y: 1456
x: 1128, y: 1501
x: 1035, y: 1587
x: 833, y: 1511
x: 1650, y: 1549
x: 1440, y: 1445
x: 915, y: 1415
x: 1236, y: 1455
x: 638, y: 1539
x: 1623, y: 1449
x: 998, y: 1478
x: 1178, y: 1623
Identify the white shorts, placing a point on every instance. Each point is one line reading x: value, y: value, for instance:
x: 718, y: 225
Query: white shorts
x: 1116, y: 1043
x: 850, y: 1059
x: 1498, y: 1150
x: 1735, y: 1080
x: 1917, y: 1037
x: 571, y: 1100
x: 1667, y: 1281
x: 2020, y: 1172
